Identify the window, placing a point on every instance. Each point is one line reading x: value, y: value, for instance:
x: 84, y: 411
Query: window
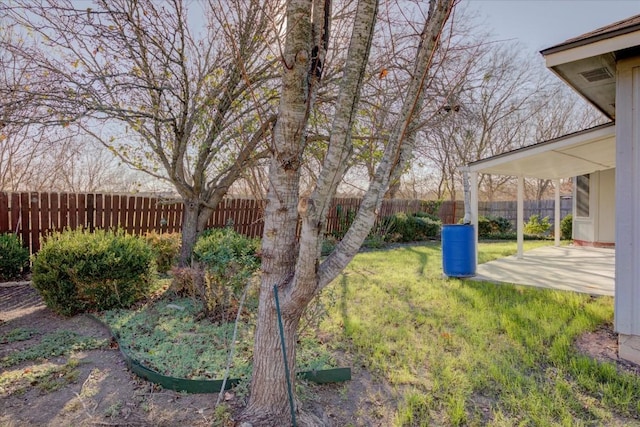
x: 582, y: 196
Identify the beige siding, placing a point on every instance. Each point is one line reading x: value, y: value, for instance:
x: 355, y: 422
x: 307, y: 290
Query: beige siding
x: 606, y: 228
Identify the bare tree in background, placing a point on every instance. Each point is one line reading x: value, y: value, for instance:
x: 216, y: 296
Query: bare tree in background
x: 564, y: 112
x: 488, y: 115
x: 187, y: 105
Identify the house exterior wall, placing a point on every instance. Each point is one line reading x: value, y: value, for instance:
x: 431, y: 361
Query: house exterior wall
x: 627, y: 296
x: 597, y: 229
x: 606, y: 225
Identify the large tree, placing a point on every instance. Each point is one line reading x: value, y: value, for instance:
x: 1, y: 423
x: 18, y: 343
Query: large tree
x: 290, y: 263
x: 184, y: 96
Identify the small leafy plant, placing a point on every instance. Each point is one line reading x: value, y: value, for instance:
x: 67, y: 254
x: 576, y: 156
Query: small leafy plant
x: 14, y: 258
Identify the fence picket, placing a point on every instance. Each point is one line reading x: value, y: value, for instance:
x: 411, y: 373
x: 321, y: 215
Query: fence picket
x: 98, y: 217
x: 4, y: 213
x: 14, y: 227
x: 24, y: 218
x: 45, y: 215
x: 54, y: 211
x: 34, y: 225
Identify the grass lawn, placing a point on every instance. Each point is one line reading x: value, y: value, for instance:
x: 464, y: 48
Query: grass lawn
x: 459, y: 352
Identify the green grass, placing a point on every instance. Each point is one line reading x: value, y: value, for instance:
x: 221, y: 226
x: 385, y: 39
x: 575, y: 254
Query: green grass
x: 469, y: 353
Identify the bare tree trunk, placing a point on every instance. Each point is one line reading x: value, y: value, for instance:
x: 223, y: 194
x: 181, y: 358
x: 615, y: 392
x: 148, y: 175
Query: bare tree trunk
x: 195, y: 219
x: 268, y: 404
x: 292, y: 265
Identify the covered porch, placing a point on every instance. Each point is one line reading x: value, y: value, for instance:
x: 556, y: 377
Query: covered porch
x: 568, y: 268
x: 581, y: 153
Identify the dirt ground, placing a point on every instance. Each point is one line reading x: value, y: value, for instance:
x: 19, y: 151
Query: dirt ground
x: 105, y: 393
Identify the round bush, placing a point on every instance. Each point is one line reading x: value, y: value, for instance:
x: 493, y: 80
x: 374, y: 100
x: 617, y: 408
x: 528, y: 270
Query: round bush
x: 14, y: 258
x: 228, y: 256
x: 77, y: 271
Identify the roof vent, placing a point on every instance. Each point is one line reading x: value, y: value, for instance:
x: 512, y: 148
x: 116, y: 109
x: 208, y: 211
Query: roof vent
x: 597, y: 74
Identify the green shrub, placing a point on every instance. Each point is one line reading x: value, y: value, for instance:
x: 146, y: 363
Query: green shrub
x: 403, y: 228
x: 14, y: 258
x: 566, y: 227
x: 165, y: 247
x: 499, y: 224
x: 431, y: 207
x: 431, y: 216
x: 536, y: 226
x: 488, y: 225
x: 427, y: 227
x: 406, y: 228
x: 229, y: 260
x: 484, y: 226
x: 328, y: 245
x: 77, y: 271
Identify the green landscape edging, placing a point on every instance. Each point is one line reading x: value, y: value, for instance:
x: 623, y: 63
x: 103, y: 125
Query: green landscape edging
x: 323, y: 376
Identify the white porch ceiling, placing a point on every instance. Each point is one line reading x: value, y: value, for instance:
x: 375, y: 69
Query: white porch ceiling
x: 575, y: 154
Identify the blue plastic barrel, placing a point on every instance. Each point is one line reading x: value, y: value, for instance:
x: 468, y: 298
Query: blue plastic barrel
x: 458, y: 250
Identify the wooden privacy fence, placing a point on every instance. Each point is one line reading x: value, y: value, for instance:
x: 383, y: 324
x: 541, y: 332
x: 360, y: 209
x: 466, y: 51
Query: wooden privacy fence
x: 508, y: 209
x: 32, y: 215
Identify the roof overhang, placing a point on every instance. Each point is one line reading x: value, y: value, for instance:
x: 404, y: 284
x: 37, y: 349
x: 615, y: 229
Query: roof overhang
x: 575, y: 154
x: 588, y: 63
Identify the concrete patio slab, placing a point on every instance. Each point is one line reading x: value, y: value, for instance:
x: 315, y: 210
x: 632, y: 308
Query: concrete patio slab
x: 569, y: 268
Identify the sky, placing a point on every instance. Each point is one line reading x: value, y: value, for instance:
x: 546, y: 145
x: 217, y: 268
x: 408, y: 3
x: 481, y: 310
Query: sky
x: 539, y: 24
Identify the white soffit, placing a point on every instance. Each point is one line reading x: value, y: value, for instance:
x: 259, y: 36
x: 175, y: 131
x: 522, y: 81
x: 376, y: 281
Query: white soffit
x: 571, y: 155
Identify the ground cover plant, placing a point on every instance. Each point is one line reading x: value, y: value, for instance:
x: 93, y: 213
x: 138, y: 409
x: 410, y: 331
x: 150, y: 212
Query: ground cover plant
x: 58, y: 343
x: 460, y: 352
x: 171, y: 337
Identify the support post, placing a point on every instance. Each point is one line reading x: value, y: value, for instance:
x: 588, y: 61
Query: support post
x: 556, y: 229
x: 473, y: 178
x: 520, y: 217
